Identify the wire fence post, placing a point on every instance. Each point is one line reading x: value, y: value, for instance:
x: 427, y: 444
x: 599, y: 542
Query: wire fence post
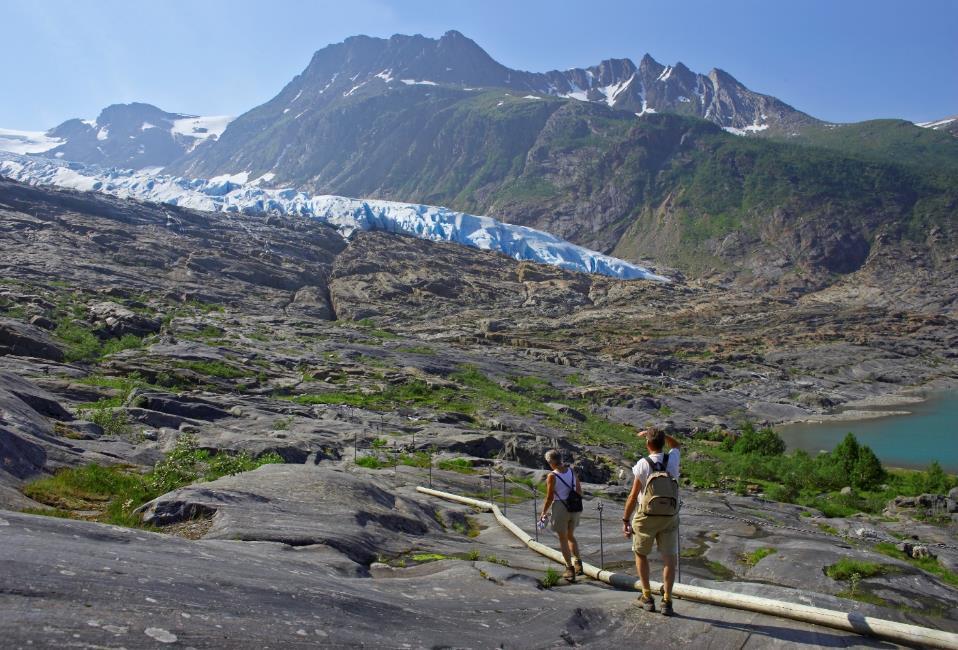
x: 492, y: 489
x: 504, y: 494
x: 430, y: 468
x: 355, y: 445
x: 600, y: 507
x: 535, y: 509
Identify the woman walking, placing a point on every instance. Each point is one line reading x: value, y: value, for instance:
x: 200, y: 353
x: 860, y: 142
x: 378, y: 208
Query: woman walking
x: 564, y: 496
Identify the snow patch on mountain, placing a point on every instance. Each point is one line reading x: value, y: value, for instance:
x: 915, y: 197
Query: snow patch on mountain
x: 751, y: 128
x: 24, y: 142
x: 231, y: 193
x: 937, y: 124
x: 201, y: 128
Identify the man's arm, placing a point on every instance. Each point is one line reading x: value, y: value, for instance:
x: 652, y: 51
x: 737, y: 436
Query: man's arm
x: 630, y: 506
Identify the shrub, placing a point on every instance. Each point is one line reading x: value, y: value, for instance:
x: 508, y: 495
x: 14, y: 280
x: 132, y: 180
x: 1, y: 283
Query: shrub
x: 756, y: 556
x: 81, y: 343
x: 187, y: 463
x: 127, y: 342
x: 763, y: 442
x: 845, y: 568
x: 115, y: 421
x: 461, y: 465
x: 550, y: 579
x: 929, y: 564
x: 370, y: 462
x: 857, y: 463
x: 418, y: 459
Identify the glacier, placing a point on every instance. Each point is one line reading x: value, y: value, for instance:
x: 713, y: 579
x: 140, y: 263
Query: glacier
x: 233, y: 193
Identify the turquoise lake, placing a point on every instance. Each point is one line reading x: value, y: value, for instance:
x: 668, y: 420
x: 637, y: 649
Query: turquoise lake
x: 929, y: 433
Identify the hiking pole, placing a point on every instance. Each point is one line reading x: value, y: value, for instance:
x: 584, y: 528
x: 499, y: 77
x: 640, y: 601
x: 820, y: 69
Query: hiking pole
x: 678, y: 555
x: 599, y: 507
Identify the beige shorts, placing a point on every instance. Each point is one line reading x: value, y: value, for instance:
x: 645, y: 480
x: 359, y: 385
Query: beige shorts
x: 664, y: 531
x: 562, y: 519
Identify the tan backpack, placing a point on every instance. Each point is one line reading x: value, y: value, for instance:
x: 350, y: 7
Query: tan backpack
x: 661, y: 494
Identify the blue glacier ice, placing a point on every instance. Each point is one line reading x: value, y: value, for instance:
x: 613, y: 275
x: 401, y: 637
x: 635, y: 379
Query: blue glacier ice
x: 235, y: 193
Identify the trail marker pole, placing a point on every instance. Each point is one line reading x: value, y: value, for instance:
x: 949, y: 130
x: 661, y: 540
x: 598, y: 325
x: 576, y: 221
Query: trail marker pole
x: 600, y: 507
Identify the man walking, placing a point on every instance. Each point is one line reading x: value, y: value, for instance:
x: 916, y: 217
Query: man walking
x: 654, y: 501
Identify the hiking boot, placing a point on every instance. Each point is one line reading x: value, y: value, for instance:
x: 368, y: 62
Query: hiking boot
x: 646, y: 602
x: 577, y: 563
x: 569, y: 574
x: 667, y: 608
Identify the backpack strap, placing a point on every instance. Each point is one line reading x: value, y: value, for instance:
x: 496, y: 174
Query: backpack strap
x: 571, y: 488
x: 658, y: 467
x: 558, y: 476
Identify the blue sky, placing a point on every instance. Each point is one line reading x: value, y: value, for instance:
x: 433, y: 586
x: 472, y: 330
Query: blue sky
x: 840, y: 60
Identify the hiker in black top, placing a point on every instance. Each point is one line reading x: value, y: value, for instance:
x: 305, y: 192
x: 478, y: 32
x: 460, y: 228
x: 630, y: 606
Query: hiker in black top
x: 644, y: 529
x: 562, y: 488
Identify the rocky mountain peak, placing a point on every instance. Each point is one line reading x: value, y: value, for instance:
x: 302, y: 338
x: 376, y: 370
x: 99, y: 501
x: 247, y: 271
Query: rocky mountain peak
x: 649, y: 65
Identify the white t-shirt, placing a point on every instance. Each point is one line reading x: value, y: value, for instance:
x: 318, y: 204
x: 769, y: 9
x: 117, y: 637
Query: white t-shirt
x: 642, y: 470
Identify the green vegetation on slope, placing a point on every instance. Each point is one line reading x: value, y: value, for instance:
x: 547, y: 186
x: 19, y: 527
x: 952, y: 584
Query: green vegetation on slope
x: 757, y: 457
x: 889, y: 141
x: 112, y: 494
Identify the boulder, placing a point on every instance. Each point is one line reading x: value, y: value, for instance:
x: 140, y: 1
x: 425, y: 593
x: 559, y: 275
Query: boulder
x: 301, y: 505
x: 567, y: 410
x: 27, y: 341
x: 117, y: 320
x: 43, y: 322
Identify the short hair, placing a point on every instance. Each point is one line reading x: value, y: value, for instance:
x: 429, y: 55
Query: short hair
x: 655, y: 438
x: 553, y: 457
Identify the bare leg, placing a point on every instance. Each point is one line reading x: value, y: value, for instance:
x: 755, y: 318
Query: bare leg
x: 668, y: 575
x: 573, y: 543
x: 642, y: 566
x: 564, y: 547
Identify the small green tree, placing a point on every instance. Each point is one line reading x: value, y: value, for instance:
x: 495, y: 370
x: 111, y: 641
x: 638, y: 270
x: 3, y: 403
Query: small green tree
x: 845, y: 455
x: 935, y: 480
x: 764, y: 442
x: 868, y: 472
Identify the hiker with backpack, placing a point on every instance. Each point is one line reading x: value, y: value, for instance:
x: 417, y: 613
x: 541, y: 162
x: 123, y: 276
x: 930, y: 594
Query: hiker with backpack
x: 652, y: 514
x: 564, y: 497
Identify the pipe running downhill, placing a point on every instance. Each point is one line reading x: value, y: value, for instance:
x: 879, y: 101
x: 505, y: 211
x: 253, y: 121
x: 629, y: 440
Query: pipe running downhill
x: 847, y: 621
